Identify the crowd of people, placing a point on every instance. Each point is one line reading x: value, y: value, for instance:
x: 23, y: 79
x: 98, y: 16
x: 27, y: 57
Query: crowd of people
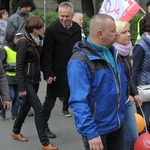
x: 92, y: 75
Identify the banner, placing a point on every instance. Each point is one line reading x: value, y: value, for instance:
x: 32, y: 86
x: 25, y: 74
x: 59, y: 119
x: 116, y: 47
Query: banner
x: 120, y: 9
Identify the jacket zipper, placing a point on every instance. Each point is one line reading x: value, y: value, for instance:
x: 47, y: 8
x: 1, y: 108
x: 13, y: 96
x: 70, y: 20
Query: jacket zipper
x: 128, y: 65
x: 28, y: 70
x: 119, y: 82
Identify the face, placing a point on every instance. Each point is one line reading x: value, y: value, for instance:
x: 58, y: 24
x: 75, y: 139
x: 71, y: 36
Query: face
x: 108, y: 36
x: 124, y: 37
x: 39, y: 31
x: 148, y: 8
x: 65, y: 16
x: 80, y: 21
x: 5, y: 16
x: 26, y: 9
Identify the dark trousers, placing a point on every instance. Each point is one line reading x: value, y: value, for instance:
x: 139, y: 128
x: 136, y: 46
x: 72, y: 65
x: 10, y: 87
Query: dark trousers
x: 111, y: 141
x: 48, y: 105
x: 32, y: 100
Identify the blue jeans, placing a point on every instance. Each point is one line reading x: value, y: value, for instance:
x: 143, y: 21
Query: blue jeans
x: 130, y: 127
x: 15, y: 98
x: 111, y: 141
x: 32, y: 100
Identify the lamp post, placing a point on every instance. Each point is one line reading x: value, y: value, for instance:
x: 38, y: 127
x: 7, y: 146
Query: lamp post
x: 44, y: 11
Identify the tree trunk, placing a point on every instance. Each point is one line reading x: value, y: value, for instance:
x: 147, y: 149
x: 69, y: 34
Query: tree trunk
x: 4, y: 4
x: 87, y: 7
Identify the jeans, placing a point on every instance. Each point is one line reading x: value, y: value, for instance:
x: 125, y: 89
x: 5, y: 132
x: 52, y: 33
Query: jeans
x: 146, y: 110
x: 15, y: 98
x: 49, y: 104
x: 111, y: 141
x: 32, y: 100
x: 130, y: 127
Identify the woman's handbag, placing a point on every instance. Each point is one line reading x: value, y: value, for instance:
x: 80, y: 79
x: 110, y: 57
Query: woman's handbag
x: 144, y: 92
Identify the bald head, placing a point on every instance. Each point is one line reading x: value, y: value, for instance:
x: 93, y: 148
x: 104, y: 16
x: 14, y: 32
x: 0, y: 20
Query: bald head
x: 102, y: 29
x: 99, y: 21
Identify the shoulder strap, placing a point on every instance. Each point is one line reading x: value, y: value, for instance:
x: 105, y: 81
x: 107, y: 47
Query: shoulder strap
x: 32, y: 47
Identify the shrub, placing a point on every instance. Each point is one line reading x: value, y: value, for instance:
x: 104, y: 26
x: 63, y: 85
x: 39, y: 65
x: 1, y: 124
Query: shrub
x: 86, y: 24
x: 133, y: 27
x: 52, y: 16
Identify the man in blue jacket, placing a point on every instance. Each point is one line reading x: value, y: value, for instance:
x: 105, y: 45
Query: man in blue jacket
x: 98, y: 87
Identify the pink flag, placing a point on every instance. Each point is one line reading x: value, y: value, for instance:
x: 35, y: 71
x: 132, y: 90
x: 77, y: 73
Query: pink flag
x: 120, y: 9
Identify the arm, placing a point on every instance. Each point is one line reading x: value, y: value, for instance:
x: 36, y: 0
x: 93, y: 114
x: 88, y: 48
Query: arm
x: 80, y: 86
x: 138, y: 55
x: 47, y: 54
x: 4, y: 89
x: 79, y: 83
x: 22, y: 48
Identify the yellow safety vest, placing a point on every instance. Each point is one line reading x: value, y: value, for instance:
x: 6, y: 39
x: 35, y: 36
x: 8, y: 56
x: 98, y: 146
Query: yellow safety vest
x: 11, y: 59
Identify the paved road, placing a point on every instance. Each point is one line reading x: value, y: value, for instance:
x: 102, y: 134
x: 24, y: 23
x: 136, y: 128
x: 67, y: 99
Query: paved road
x: 64, y: 128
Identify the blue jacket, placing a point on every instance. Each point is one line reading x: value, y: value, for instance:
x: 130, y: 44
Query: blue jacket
x: 144, y: 73
x: 97, y: 98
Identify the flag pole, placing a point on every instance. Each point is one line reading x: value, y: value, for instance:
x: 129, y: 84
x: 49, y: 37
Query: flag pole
x: 143, y: 10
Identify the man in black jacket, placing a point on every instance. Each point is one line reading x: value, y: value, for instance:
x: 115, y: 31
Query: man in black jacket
x: 59, y: 40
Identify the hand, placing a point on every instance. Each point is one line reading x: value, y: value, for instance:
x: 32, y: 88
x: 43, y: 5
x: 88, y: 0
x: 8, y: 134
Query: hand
x: 96, y: 144
x: 138, y: 100
x: 6, y: 105
x: 51, y: 79
x: 131, y: 98
x: 23, y: 93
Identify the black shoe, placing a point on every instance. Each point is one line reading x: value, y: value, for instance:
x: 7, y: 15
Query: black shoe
x: 49, y: 133
x: 3, y: 113
x: 66, y: 113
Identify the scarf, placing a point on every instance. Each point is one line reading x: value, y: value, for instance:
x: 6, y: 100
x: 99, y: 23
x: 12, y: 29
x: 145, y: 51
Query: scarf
x: 123, y: 50
x: 36, y: 39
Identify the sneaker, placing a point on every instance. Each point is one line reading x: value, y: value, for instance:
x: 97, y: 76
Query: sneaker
x: 3, y: 113
x: 13, y: 118
x: 66, y: 113
x: 30, y: 113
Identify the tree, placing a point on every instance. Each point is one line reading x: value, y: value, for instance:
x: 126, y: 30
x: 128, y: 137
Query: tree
x: 4, y: 4
x: 87, y: 7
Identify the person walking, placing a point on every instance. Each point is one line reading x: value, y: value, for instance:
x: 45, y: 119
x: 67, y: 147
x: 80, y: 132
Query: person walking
x: 141, y: 67
x: 124, y: 46
x: 8, y: 57
x: 98, y: 87
x: 16, y: 24
x: 28, y: 78
x: 59, y: 39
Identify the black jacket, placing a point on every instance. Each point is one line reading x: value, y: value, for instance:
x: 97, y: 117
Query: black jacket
x: 28, y: 62
x: 57, y: 50
x: 132, y: 90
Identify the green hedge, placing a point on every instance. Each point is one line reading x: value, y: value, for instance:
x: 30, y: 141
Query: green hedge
x: 52, y: 16
x: 133, y: 27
